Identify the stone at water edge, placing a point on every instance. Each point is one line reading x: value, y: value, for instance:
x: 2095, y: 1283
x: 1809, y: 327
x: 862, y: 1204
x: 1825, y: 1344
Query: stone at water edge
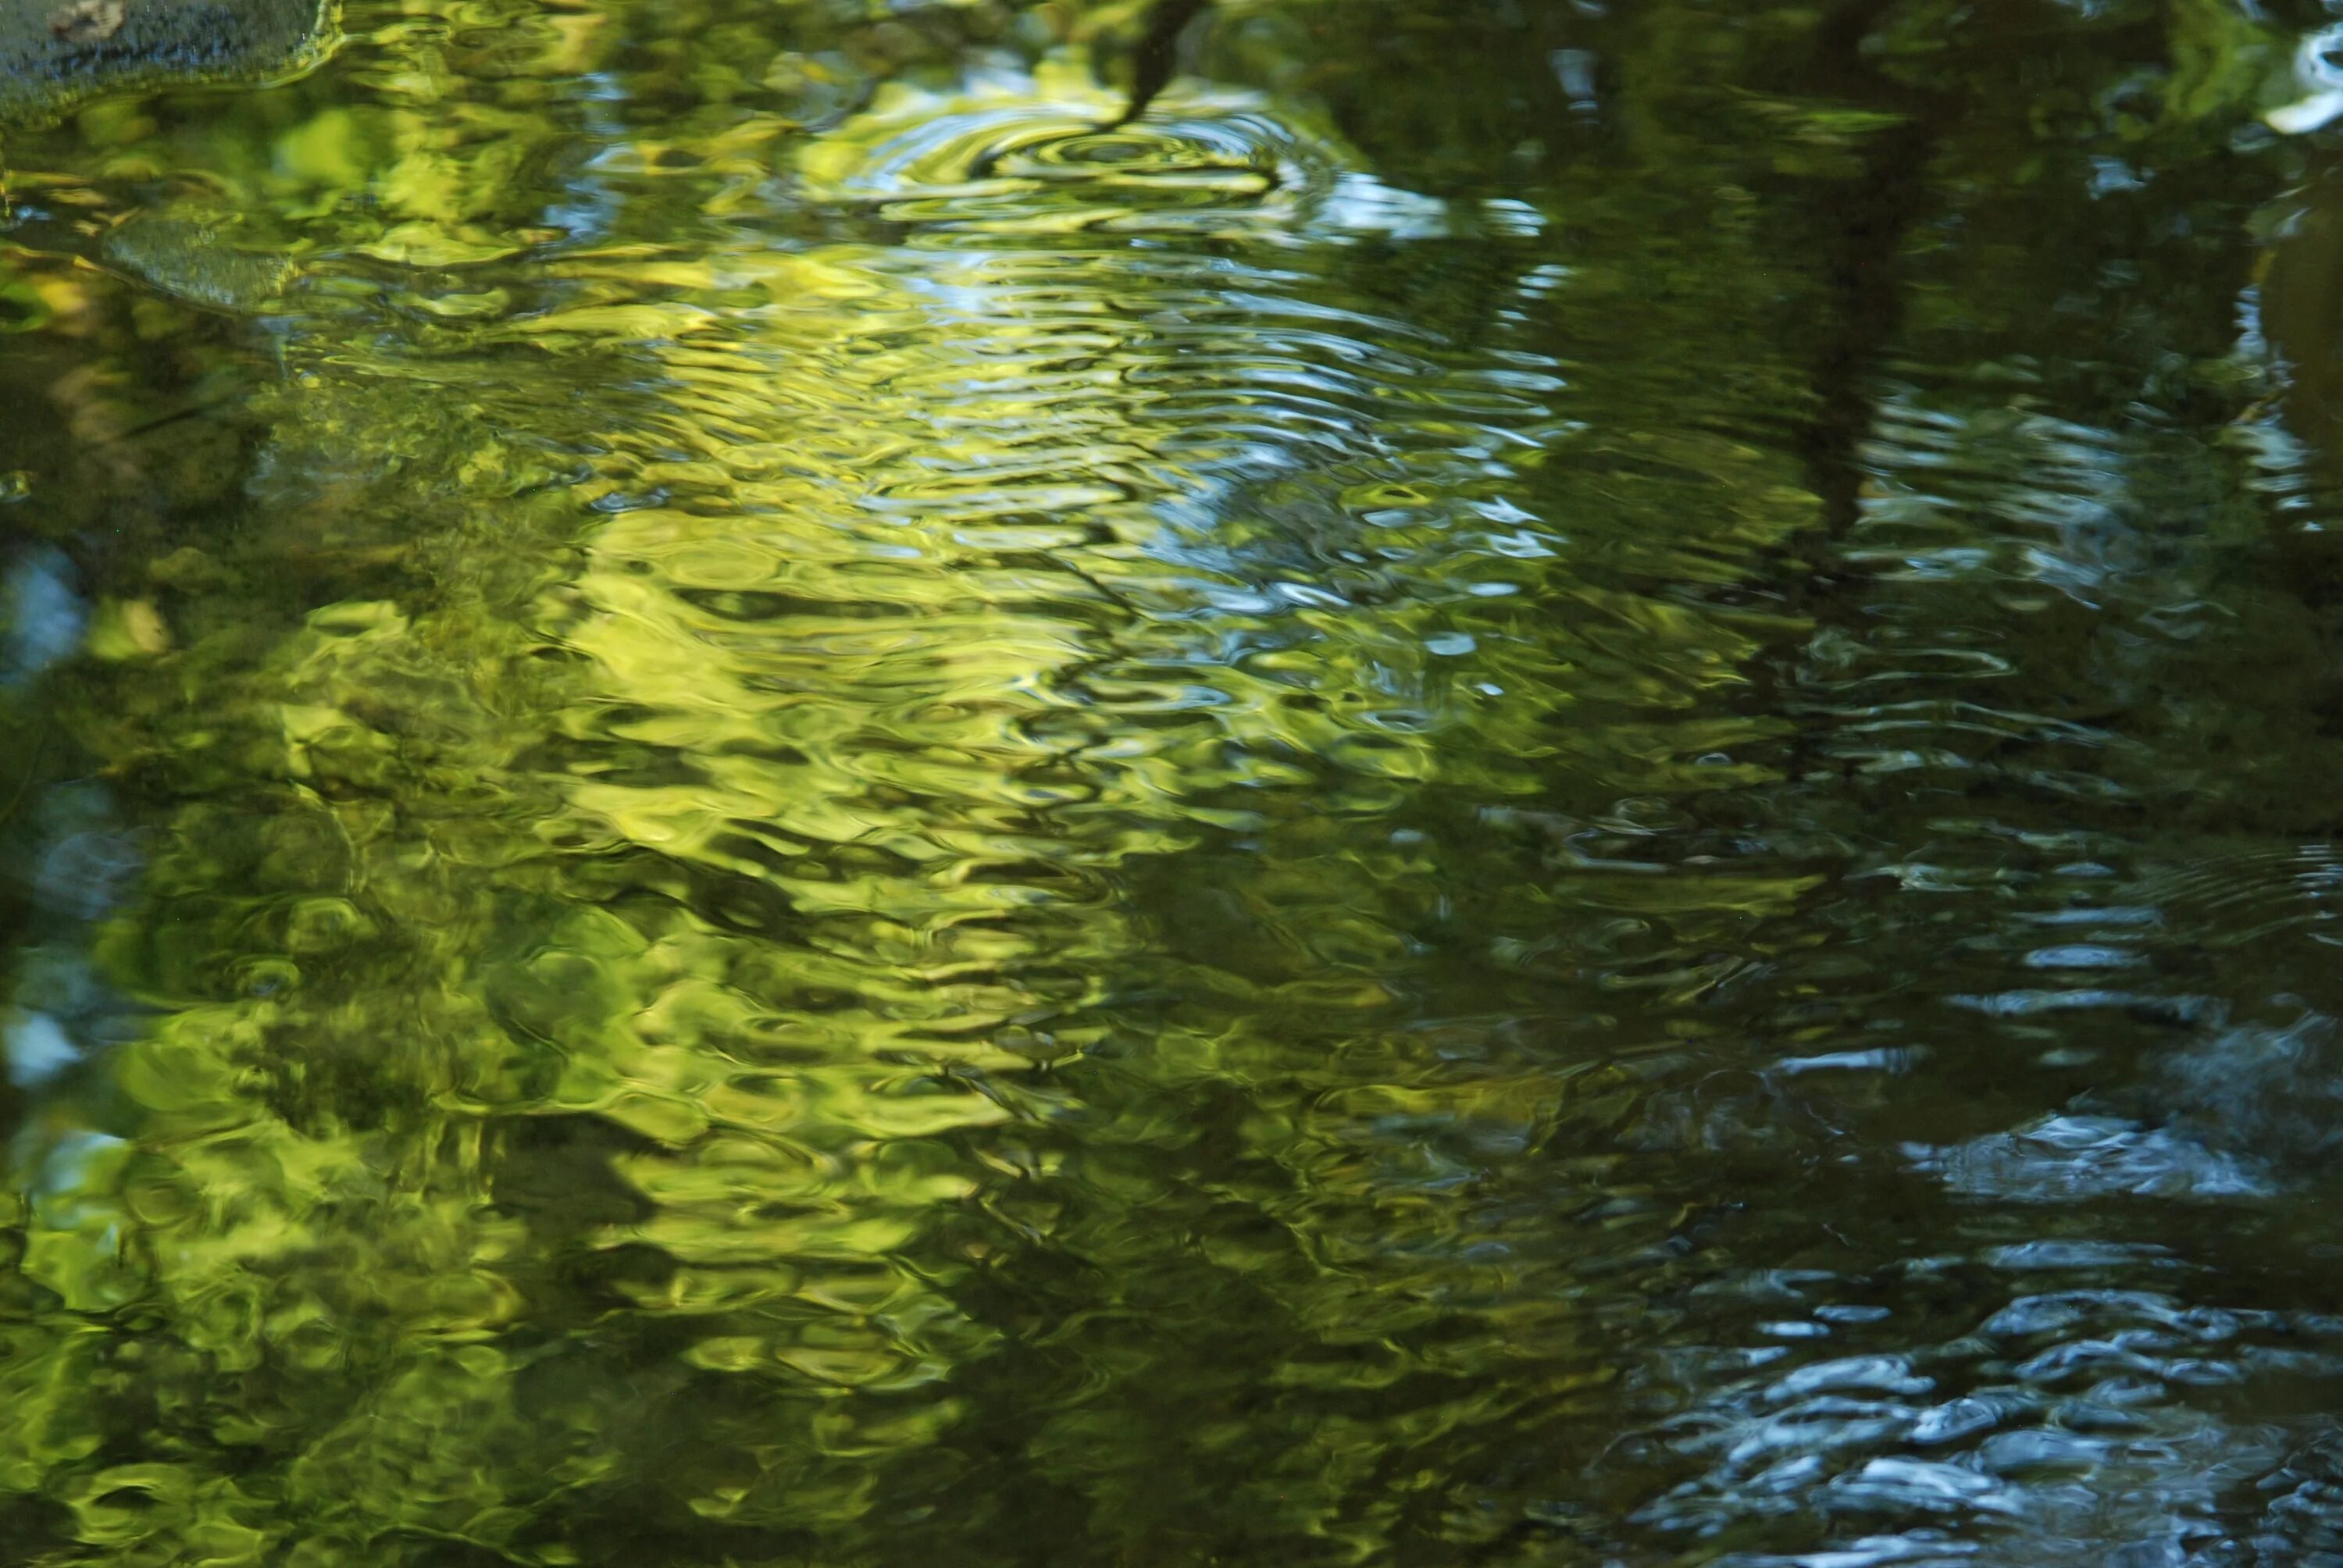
x: 54, y: 53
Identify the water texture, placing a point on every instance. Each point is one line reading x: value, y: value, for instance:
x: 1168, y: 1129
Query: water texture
x: 1542, y: 783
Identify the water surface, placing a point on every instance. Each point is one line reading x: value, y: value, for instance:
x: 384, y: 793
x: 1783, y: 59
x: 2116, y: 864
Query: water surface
x: 1546, y: 783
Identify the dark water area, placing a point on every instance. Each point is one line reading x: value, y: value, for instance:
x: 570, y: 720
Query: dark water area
x: 1544, y: 783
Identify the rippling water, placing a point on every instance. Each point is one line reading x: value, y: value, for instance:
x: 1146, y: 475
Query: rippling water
x: 1541, y: 784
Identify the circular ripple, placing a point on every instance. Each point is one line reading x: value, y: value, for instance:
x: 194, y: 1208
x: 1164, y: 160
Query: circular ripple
x: 1012, y: 154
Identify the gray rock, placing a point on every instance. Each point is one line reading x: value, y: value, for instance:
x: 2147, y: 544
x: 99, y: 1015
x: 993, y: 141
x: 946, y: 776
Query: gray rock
x: 54, y: 53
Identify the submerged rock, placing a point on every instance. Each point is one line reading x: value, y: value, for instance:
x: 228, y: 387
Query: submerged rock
x: 193, y: 259
x: 56, y: 53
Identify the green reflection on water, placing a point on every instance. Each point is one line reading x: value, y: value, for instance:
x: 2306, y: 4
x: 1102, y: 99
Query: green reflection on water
x: 783, y: 808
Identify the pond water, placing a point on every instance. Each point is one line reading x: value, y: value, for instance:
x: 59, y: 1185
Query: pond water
x: 1545, y: 782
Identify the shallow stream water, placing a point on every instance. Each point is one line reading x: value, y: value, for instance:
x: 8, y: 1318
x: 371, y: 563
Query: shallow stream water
x: 1548, y: 782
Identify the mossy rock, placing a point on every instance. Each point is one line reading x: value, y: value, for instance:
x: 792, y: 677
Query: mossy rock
x: 54, y: 53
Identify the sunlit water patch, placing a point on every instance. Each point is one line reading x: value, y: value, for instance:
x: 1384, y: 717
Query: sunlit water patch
x: 777, y: 839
